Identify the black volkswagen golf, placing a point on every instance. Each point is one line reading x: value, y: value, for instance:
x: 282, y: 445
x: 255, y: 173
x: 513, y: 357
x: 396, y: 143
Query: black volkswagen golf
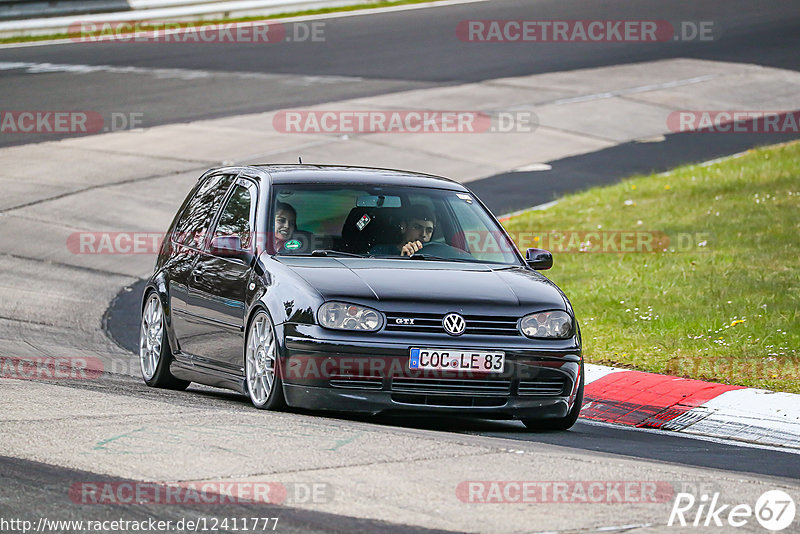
x: 360, y: 290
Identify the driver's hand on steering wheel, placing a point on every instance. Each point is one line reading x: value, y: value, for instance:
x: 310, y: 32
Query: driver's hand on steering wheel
x: 410, y: 248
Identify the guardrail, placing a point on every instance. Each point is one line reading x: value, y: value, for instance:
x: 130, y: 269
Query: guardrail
x: 27, y: 9
x: 40, y: 17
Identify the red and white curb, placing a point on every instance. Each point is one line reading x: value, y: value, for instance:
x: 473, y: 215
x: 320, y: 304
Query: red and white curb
x: 649, y: 400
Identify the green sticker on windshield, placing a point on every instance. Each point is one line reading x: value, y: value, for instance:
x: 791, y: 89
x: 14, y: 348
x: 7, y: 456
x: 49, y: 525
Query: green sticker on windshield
x: 292, y: 245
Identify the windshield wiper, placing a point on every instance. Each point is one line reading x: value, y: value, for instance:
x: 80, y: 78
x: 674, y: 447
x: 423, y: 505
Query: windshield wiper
x: 419, y: 256
x: 331, y: 252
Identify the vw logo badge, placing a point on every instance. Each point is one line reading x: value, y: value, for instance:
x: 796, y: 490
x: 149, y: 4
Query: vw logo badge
x: 454, y: 324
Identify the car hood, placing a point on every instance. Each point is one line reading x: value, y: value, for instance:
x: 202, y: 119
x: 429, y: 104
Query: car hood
x: 426, y: 281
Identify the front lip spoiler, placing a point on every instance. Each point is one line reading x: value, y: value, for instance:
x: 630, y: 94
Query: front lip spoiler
x: 377, y: 402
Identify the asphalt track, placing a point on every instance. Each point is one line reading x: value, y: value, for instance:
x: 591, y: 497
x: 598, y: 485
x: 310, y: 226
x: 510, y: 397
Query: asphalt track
x: 27, y: 482
x: 387, y: 53
x: 122, y: 322
x: 379, y: 54
x: 501, y: 193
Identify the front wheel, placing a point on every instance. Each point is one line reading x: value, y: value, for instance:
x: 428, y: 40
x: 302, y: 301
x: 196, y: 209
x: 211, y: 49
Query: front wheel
x: 154, y: 352
x: 261, y: 364
x: 562, y: 423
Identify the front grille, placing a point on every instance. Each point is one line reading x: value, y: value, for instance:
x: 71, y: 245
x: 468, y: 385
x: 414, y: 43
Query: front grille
x: 356, y: 382
x: 552, y: 387
x: 446, y: 386
x: 432, y: 323
x: 448, y: 401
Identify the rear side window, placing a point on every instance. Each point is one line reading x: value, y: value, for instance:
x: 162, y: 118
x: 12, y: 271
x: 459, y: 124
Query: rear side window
x: 195, y: 220
x: 238, y: 214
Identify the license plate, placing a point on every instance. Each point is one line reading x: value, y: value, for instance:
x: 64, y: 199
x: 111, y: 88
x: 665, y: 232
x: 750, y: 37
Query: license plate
x: 457, y: 360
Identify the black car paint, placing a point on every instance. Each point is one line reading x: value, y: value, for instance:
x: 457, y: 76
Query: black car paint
x: 292, y: 288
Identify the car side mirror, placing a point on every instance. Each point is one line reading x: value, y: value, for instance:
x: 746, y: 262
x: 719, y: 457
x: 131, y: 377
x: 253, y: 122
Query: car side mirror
x: 230, y: 246
x: 539, y: 259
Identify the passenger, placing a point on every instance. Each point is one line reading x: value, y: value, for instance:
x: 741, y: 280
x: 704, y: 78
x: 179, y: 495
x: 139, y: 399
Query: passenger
x: 285, y: 224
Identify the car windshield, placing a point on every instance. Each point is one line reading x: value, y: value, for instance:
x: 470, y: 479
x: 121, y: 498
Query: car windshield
x: 377, y: 221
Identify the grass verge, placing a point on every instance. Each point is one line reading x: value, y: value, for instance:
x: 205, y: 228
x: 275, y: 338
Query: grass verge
x: 191, y: 24
x: 707, y: 282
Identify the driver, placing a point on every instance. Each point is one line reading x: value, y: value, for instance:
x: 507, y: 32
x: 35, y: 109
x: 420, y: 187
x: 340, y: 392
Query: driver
x: 417, y: 229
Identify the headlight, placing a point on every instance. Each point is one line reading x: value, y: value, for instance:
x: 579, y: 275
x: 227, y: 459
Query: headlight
x: 553, y: 324
x: 342, y: 316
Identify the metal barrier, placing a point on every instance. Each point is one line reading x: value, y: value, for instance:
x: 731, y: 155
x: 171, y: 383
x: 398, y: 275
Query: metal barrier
x: 40, y: 17
x: 27, y: 9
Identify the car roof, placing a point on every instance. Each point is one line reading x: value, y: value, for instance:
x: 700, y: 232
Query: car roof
x: 301, y: 173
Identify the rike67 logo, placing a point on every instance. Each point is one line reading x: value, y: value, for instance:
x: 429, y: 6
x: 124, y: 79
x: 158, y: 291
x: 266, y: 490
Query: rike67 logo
x: 774, y: 510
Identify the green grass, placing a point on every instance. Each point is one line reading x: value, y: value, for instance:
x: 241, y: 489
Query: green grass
x: 728, y: 311
x: 187, y: 24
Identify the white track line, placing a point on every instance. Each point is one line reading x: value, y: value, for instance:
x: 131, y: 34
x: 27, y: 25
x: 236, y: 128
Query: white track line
x: 635, y: 90
x: 181, y: 74
x: 127, y: 16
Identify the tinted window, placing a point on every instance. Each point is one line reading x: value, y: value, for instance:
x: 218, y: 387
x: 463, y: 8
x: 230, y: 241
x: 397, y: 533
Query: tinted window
x: 378, y: 221
x: 237, y: 215
x: 196, y: 218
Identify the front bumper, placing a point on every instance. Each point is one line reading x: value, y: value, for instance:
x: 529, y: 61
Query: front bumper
x: 370, y: 374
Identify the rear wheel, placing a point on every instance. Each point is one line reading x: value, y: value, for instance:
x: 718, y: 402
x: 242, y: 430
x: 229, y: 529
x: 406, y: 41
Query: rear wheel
x: 261, y: 364
x: 561, y: 423
x: 154, y: 352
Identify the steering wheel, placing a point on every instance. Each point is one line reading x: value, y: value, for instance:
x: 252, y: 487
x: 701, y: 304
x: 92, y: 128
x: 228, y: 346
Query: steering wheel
x: 443, y: 250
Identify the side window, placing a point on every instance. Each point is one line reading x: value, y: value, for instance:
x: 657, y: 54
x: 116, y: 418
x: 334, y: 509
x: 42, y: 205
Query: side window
x: 193, y: 225
x: 238, y: 214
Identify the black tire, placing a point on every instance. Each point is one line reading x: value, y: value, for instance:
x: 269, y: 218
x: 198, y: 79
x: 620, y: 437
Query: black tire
x: 155, y: 355
x: 262, y: 376
x: 561, y: 423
